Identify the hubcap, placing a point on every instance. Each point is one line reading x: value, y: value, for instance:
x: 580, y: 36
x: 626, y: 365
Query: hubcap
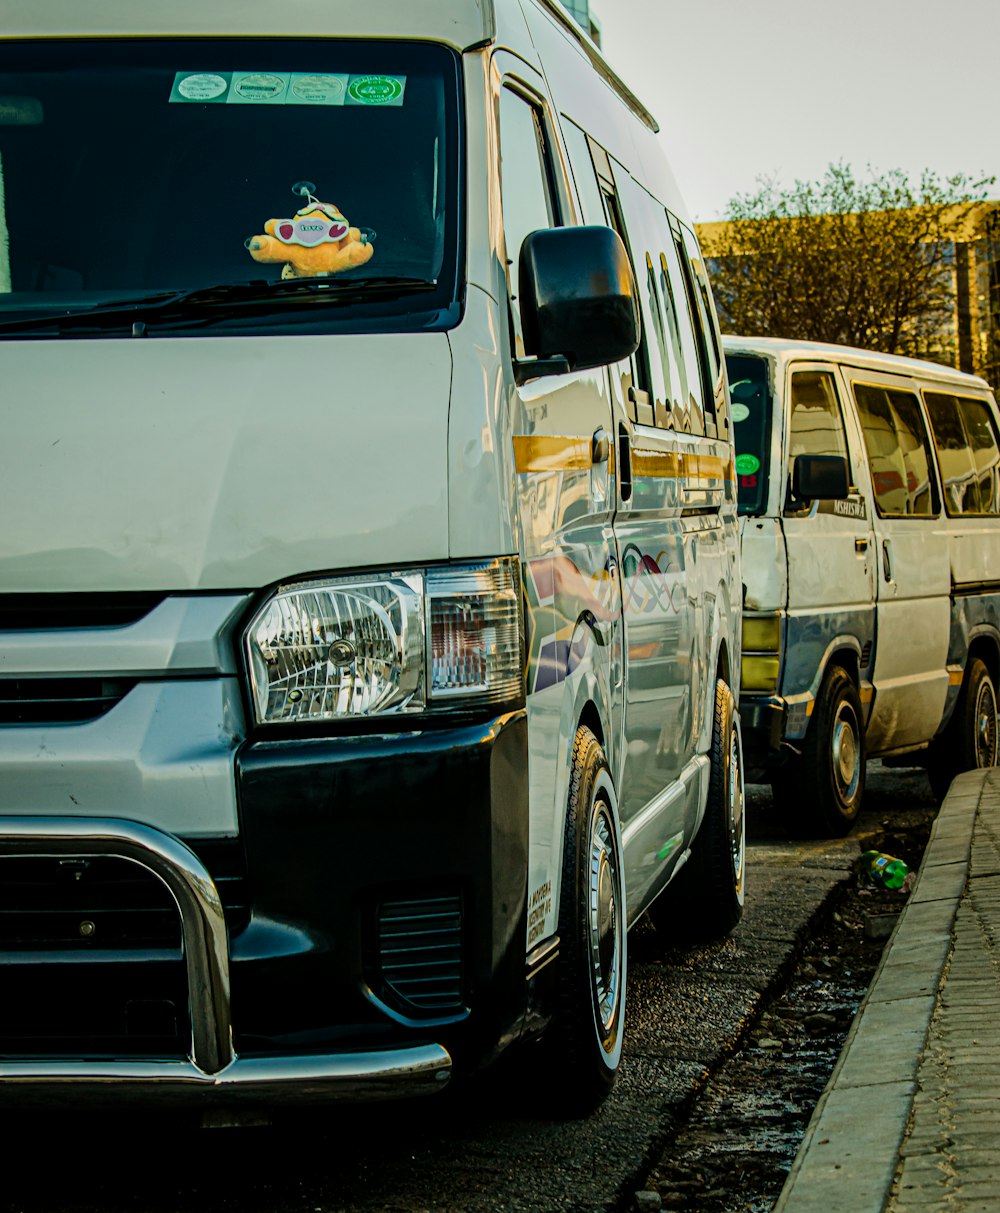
x: 846, y: 753
x: 986, y: 726
x: 606, y: 924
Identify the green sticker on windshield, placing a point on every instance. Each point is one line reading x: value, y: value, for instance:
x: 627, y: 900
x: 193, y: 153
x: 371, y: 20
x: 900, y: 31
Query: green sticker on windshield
x: 746, y: 464
x: 739, y: 411
x: 376, y: 90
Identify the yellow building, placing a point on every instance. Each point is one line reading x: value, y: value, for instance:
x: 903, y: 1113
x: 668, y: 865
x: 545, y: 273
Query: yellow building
x: 971, y: 339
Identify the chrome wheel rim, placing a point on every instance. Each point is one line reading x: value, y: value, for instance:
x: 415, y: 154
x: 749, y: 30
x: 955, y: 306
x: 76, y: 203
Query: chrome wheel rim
x: 605, y: 916
x: 986, y: 725
x: 846, y: 753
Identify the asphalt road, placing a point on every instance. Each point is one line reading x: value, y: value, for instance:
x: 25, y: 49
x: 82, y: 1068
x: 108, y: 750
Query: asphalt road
x: 493, y: 1146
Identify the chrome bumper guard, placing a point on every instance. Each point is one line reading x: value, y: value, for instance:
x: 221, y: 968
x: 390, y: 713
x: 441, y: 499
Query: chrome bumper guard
x: 212, y: 1066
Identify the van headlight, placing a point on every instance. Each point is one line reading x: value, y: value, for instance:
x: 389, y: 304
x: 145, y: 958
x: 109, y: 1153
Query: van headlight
x: 346, y: 648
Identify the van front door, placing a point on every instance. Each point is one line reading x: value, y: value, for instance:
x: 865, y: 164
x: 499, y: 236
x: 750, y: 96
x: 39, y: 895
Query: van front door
x: 913, y: 572
x: 831, y: 566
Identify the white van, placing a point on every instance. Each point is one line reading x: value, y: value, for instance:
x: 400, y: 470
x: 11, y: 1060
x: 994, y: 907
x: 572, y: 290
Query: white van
x: 369, y: 588
x: 869, y: 491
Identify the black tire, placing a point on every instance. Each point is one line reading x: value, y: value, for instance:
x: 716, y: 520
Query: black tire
x: 585, y: 1040
x: 820, y: 791
x: 705, y: 899
x: 969, y: 742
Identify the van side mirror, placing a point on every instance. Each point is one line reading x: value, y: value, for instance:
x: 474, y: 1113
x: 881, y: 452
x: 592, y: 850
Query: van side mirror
x: 579, y: 306
x: 820, y: 478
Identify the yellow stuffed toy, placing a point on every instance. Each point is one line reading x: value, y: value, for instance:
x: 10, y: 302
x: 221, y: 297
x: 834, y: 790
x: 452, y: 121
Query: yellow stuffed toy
x: 318, y: 242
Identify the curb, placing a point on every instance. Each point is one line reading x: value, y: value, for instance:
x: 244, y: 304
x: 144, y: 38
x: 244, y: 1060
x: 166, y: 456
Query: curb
x: 849, y: 1153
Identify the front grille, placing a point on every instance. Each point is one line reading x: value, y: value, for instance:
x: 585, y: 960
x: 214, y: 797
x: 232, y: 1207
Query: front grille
x: 420, y: 952
x: 59, y: 700
x: 90, y: 904
x: 49, y: 612
x: 92, y: 958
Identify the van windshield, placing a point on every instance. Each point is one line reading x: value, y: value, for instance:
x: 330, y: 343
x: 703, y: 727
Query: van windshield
x: 751, y: 411
x: 216, y: 185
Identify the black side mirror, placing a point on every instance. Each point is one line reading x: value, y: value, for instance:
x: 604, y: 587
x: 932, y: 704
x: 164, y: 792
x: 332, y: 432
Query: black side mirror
x: 579, y: 307
x: 820, y: 478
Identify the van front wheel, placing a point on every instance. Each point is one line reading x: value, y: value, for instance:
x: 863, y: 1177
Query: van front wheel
x: 969, y: 742
x: 822, y: 788
x: 585, y: 1041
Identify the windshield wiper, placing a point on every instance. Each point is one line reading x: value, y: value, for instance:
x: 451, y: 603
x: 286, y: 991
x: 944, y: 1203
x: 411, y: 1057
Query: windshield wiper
x: 212, y: 302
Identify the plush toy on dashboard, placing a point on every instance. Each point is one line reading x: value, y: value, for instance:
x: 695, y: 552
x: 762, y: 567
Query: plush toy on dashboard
x: 316, y: 243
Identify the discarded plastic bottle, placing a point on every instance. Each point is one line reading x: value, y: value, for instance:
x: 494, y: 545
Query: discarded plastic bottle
x: 886, y: 870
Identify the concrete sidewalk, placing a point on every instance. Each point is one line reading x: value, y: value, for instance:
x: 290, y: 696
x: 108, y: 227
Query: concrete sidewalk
x: 910, y: 1119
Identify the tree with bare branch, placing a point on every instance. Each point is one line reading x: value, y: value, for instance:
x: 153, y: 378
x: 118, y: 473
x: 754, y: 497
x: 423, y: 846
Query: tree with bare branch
x: 865, y: 262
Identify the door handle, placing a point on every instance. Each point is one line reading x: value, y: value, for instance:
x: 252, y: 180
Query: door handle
x: 886, y: 560
x: 624, y: 463
x: 600, y: 446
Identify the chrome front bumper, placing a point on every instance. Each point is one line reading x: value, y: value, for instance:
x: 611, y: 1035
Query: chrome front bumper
x: 212, y: 1066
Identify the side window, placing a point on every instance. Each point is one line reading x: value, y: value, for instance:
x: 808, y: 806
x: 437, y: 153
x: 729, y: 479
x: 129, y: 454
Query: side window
x: 525, y: 190
x: 967, y: 453
x: 647, y: 398
x: 676, y: 278
x: 898, y: 451
x: 666, y: 315
x: 816, y: 424
x: 587, y: 189
x: 715, y: 389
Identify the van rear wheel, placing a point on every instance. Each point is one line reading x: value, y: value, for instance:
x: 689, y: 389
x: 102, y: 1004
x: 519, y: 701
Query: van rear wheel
x: 585, y: 1040
x: 969, y: 742
x: 821, y: 790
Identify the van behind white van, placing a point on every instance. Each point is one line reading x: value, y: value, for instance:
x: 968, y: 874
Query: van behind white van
x: 369, y: 583
x: 869, y: 491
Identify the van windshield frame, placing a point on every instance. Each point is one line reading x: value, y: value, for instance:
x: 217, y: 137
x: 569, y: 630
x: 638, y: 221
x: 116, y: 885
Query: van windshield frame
x: 134, y: 179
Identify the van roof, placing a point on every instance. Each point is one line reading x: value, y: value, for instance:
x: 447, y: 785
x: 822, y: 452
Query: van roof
x: 460, y: 23
x: 784, y: 350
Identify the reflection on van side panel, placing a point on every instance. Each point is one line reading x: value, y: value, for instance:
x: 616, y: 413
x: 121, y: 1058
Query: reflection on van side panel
x: 880, y: 485
x: 370, y: 651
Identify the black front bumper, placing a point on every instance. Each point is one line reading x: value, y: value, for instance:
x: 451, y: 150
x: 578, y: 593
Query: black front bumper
x: 383, y: 935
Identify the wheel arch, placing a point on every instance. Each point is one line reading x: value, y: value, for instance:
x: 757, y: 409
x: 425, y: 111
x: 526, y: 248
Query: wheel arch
x: 985, y: 647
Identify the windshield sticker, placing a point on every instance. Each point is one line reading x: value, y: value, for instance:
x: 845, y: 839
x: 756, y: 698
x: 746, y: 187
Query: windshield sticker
x: 316, y: 242
x: 258, y: 88
x: 376, y: 90
x: 312, y: 89
x: 747, y: 464
x: 285, y: 88
x: 200, y: 86
x: 739, y: 412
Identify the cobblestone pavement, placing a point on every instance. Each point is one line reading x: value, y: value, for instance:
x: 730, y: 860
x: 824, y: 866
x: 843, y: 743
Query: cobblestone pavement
x: 910, y: 1119
x: 950, y: 1158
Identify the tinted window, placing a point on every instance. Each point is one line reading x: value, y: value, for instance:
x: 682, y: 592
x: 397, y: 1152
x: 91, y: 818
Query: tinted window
x: 129, y: 168
x: 689, y: 408
x: 898, y: 451
x: 707, y: 328
x: 641, y: 213
x: 751, y: 413
x: 967, y: 452
x: 582, y: 165
x: 524, y: 185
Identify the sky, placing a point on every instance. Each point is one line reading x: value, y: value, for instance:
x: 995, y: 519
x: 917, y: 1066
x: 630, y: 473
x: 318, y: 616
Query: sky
x: 750, y: 89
